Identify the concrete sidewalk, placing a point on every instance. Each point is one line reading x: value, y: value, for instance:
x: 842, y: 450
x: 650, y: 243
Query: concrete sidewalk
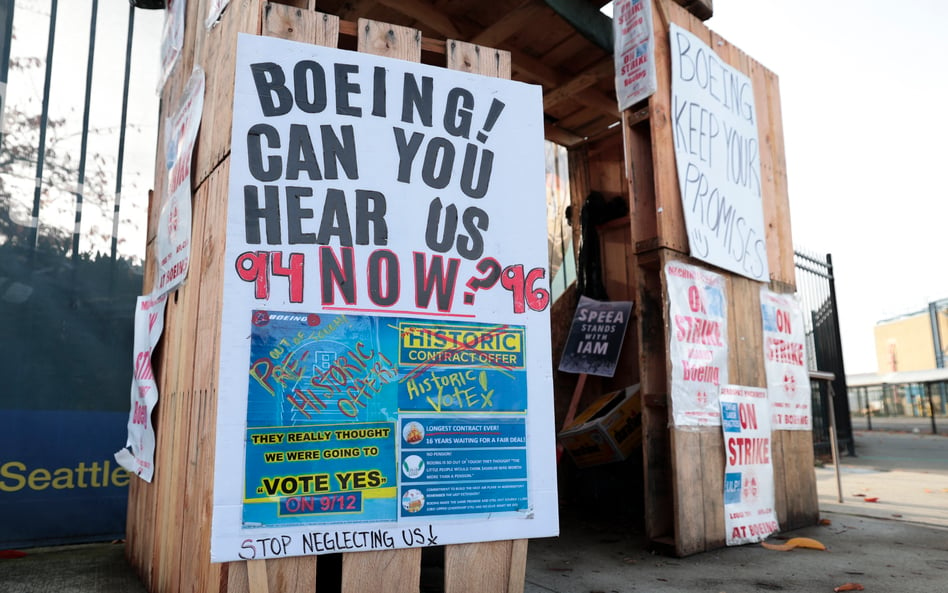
x: 897, y: 544
x: 882, y: 555
x: 889, y: 534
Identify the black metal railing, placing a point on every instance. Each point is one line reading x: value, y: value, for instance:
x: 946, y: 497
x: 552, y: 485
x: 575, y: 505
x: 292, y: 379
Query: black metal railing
x: 70, y: 253
x: 816, y: 290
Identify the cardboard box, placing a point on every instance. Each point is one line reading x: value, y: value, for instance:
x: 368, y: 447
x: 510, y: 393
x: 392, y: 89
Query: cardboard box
x: 609, y: 430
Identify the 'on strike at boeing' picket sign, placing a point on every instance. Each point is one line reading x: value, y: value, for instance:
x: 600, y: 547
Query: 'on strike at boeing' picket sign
x: 788, y: 376
x: 714, y: 123
x: 385, y: 339
x: 749, y: 514
x: 697, y: 308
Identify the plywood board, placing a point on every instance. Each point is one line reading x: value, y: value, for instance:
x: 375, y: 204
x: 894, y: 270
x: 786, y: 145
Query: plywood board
x: 398, y: 571
x: 216, y: 51
x: 464, y: 567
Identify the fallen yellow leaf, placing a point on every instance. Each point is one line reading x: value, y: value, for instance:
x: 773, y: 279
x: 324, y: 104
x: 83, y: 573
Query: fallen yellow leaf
x: 795, y: 542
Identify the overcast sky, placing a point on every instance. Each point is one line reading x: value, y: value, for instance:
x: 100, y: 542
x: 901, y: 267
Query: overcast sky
x: 863, y: 85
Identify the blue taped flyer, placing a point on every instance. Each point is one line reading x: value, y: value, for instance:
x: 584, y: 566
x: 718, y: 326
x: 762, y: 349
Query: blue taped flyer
x: 340, y: 425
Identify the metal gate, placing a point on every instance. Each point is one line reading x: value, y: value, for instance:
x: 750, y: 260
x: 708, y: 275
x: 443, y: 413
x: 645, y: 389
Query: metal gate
x: 816, y: 289
x: 70, y: 261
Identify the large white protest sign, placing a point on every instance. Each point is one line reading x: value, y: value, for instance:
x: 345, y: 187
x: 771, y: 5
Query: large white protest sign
x: 634, y: 51
x: 788, y: 376
x: 749, y: 514
x: 385, y: 375
x: 717, y: 152
x: 138, y: 455
x: 697, y: 310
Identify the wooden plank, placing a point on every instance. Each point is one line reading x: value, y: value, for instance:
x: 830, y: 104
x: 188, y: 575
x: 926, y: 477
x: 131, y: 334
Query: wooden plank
x: 393, y: 41
x: 257, y: 576
x: 288, y: 22
x: 395, y: 571
x: 561, y: 136
x: 615, y: 246
x: 298, y: 24
x: 296, y: 574
x: 773, y: 175
x: 211, y: 202
x: 703, y: 9
x: 327, y: 30
x: 578, y: 162
x: 607, y: 175
x: 509, y: 24
x: 235, y: 578
x: 468, y: 57
x: 216, y: 52
x: 712, y: 480
x: 178, y: 560
x: 656, y: 438
x: 588, y: 78
x: 640, y: 177
x: 778, y: 456
x: 745, y: 332
x: 688, y: 488
x: 669, y: 216
x: 353, y: 8
x: 518, y: 566
x: 424, y: 12
x: 483, y: 567
x: 802, y: 498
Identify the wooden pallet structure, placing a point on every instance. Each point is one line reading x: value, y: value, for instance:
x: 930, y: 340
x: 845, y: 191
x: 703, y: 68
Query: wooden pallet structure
x: 169, y: 519
x: 684, y: 470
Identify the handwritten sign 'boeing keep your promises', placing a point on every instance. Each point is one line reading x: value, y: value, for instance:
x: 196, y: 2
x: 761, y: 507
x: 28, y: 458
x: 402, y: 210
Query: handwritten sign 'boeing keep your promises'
x: 718, y: 157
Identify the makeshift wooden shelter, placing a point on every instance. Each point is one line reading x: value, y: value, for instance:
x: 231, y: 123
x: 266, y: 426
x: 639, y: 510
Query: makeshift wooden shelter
x: 561, y: 46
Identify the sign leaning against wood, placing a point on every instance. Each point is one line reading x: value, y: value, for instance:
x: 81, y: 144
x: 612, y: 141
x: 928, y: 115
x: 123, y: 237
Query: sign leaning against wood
x: 385, y: 347
x: 697, y: 309
x: 595, y: 337
x: 749, y: 514
x: 717, y: 150
x: 788, y: 377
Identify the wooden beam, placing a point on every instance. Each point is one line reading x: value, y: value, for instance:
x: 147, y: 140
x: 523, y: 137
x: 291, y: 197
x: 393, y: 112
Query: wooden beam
x: 703, y: 9
x: 600, y: 101
x: 469, y: 57
x: 517, y: 19
x: 427, y: 14
x: 561, y: 136
x: 383, y: 39
x: 532, y: 68
x: 585, y: 80
x: 353, y: 9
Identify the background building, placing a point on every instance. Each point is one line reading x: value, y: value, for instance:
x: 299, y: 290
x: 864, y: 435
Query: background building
x: 910, y: 358
x: 914, y: 341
